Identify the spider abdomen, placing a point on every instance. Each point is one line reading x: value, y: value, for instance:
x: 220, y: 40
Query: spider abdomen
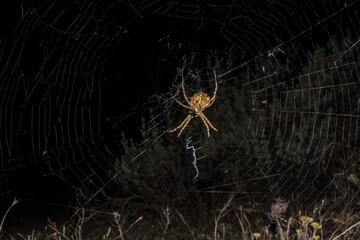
x: 200, y: 101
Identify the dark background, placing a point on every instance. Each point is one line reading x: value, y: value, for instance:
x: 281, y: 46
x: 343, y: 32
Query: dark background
x: 79, y: 79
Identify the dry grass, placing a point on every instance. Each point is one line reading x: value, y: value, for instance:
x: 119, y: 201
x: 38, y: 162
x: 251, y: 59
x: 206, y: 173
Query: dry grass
x: 6, y: 213
x: 231, y: 221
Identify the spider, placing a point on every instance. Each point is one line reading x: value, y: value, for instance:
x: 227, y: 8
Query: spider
x: 197, y: 103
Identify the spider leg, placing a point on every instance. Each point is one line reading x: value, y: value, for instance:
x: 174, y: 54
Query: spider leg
x: 182, y: 85
x: 183, y: 104
x: 183, y: 124
x: 202, y: 118
x: 212, y: 100
x: 187, y: 122
x: 208, y: 121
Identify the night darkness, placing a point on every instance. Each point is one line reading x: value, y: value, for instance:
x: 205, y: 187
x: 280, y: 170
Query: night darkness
x: 87, y: 99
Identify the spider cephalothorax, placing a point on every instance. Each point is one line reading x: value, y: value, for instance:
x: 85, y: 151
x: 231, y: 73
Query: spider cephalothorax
x: 198, y: 103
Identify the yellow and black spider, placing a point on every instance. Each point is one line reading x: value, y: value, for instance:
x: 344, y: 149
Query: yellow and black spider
x: 197, y: 103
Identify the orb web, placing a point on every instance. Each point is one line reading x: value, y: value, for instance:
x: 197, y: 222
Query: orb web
x: 88, y: 94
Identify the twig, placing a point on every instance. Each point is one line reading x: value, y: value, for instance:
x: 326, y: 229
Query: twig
x: 166, y: 222
x: 338, y: 236
x: 222, y: 214
x: 186, y: 224
x: 119, y: 226
x: 288, y: 228
x: 122, y: 233
x: 107, y: 234
x: 13, y: 204
x: 281, y: 232
x: 140, y: 218
x: 242, y: 226
x: 342, y: 223
x: 248, y: 223
x: 80, y: 223
x: 53, y: 227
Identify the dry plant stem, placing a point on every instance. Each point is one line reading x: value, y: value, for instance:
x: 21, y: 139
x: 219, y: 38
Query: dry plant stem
x: 80, y: 223
x: 166, y: 223
x: 186, y: 224
x: 321, y: 229
x: 321, y: 219
x: 57, y: 232
x: 248, y: 223
x: 242, y: 227
x: 119, y: 228
x: 107, y: 234
x: 133, y: 224
x: 342, y: 223
x: 223, y: 231
x: 288, y: 227
x: 222, y: 214
x: 6, y: 213
x: 332, y: 235
x: 347, y: 230
x: 282, y: 236
x: 78, y: 226
x: 165, y: 229
x: 122, y: 233
x: 33, y: 236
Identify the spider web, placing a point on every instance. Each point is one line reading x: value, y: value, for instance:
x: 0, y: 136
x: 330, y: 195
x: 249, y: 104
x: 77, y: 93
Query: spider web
x: 88, y: 88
